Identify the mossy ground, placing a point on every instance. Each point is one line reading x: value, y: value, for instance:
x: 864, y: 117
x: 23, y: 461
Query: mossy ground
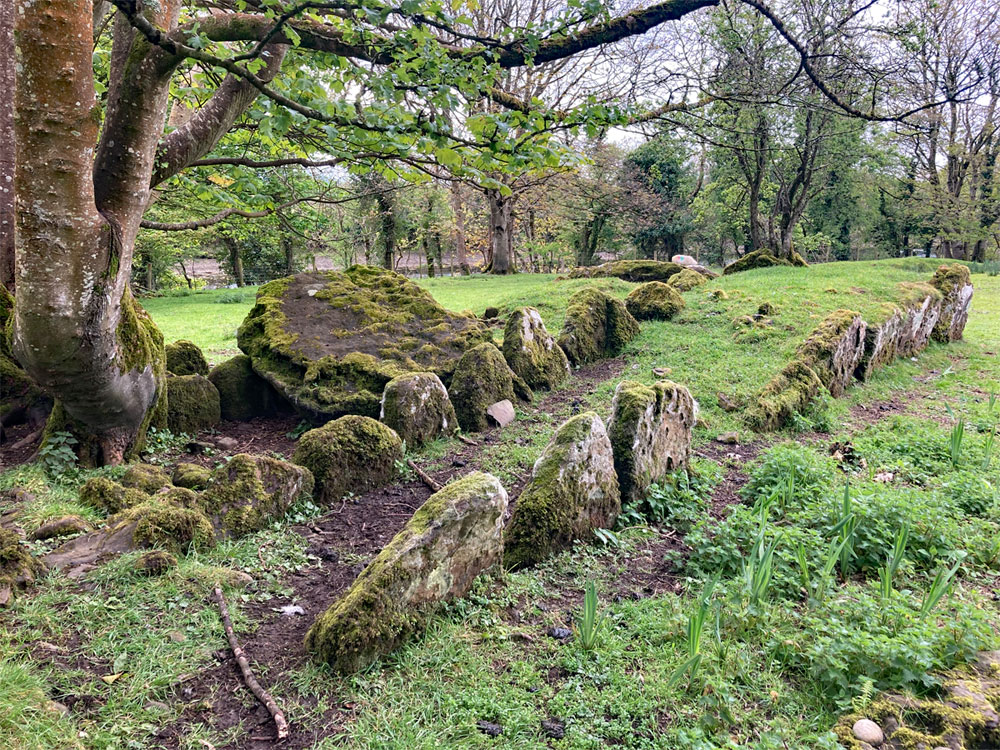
x: 747, y: 693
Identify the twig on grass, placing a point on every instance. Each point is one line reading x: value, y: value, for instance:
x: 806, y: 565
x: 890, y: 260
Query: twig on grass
x: 241, y: 658
x: 434, y: 486
x: 466, y: 440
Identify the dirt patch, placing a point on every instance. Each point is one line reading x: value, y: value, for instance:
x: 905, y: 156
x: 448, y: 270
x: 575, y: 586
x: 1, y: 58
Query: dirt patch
x: 864, y: 414
x: 19, y: 445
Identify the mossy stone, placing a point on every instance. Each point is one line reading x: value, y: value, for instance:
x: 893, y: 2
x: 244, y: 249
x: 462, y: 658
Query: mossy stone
x: 154, y: 563
x: 921, y: 304
x: 110, y: 497
x: 955, y: 285
x: 650, y: 432
x: 881, y: 341
x: 482, y: 378
x: 597, y: 326
x: 531, y: 351
x: 243, y: 394
x: 145, y: 478
x: 789, y: 392
x: 18, y: 569
x: 249, y: 492
x: 191, y: 476
x: 834, y: 349
x: 192, y: 404
x: 654, y: 300
x: 450, y: 540
x: 629, y: 270
x: 417, y: 408
x: 185, y: 358
x: 180, y: 496
x: 762, y: 259
x: 687, y: 280
x: 572, y: 491
x: 351, y: 454
x: 330, y: 342
x: 163, y: 526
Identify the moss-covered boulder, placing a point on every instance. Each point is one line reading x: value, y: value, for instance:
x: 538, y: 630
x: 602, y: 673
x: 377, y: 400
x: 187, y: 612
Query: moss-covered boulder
x: 18, y: 569
x: 110, y: 497
x: 192, y: 404
x: 145, y: 478
x: 249, y: 492
x: 59, y: 527
x: 243, y: 394
x: 156, y: 562
x: 834, y: 349
x: 185, y: 358
x: 531, y: 351
x: 650, y: 432
x: 762, y: 259
x: 881, y: 341
x: 450, y: 540
x: 330, y: 342
x: 351, y: 454
x: 687, y: 280
x: 572, y: 491
x: 629, y: 270
x: 191, y: 476
x: 955, y: 286
x: 482, y: 378
x: 788, y: 393
x: 921, y: 304
x: 654, y: 300
x: 597, y: 326
x: 417, y: 407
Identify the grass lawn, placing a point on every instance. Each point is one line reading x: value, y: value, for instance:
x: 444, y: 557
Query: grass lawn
x: 776, y: 669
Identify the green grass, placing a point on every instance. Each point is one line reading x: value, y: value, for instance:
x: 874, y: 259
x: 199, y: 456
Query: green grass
x: 208, y: 318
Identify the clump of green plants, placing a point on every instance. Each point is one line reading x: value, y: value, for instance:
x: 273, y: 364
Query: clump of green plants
x: 793, y: 473
x: 588, y: 625
x: 968, y: 491
x: 914, y: 449
x: 678, y: 501
x: 160, y: 441
x: 58, y: 455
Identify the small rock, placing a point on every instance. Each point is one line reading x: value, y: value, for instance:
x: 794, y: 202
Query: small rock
x: 489, y: 728
x: 868, y: 731
x: 662, y: 372
x: 63, y: 526
x: 560, y: 633
x: 58, y: 708
x: 554, y: 728
x: 196, y: 447
x: 157, y: 706
x: 291, y: 609
x: 501, y: 413
x: 227, y: 443
x: 728, y: 438
x: 323, y: 553
x: 726, y: 403
x: 491, y: 312
x: 176, y: 636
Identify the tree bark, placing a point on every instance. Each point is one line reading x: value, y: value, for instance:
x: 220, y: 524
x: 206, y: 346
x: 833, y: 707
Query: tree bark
x: 461, y: 251
x: 6, y: 141
x: 501, y: 231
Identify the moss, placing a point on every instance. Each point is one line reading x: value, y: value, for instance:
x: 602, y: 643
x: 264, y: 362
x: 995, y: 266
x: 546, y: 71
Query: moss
x: 140, y: 345
x: 185, y: 358
x: 182, y: 497
x: 417, y: 407
x: 109, y: 497
x: 568, y: 496
x: 482, y: 378
x: 531, y: 351
x: 766, y: 308
x: 596, y: 326
x: 834, y: 349
x: 243, y: 394
x: 352, y: 454
x: 17, y: 389
x: 687, y: 280
x: 655, y: 300
x: 193, y: 404
x: 249, y: 492
x: 165, y: 526
x: 881, y: 341
x: 762, y: 259
x: 191, y: 476
x: 154, y: 563
x: 718, y: 294
x: 790, y: 392
x: 145, y: 477
x: 629, y: 270
x: 18, y: 569
x: 955, y: 285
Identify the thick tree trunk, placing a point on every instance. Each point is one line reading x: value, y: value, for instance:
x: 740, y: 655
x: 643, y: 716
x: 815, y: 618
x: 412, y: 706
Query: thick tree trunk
x: 289, y: 248
x: 6, y: 145
x: 461, y: 251
x: 235, y: 261
x: 387, y: 221
x: 501, y: 231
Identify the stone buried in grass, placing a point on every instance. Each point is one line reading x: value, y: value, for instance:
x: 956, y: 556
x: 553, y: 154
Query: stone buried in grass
x: 762, y: 259
x: 597, y: 326
x: 450, y: 540
x: 154, y: 563
x: 481, y: 379
x: 573, y: 490
x: 107, y: 496
x: 654, y: 300
x: 788, y: 393
x: 243, y: 394
x: 955, y: 286
x: 687, y: 280
x: 192, y: 404
x: 650, y: 432
x: 62, y: 526
x: 351, y: 454
x: 418, y: 408
x: 532, y: 352
x: 629, y: 270
x: 145, y: 478
x: 185, y: 358
x: 18, y: 569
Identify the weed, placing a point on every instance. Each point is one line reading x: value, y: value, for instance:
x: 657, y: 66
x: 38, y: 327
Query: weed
x: 939, y: 588
x: 57, y: 455
x: 588, y: 627
x: 887, y: 572
x: 955, y: 442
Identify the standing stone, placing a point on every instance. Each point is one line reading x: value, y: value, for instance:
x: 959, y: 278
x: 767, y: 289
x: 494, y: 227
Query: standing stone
x: 955, y: 286
x: 597, y: 326
x: 482, y: 378
x: 350, y: 454
x: 243, y: 394
x: 921, y: 309
x: 192, y: 404
x: 650, y: 432
x: 573, y: 490
x: 881, y: 342
x: 532, y: 352
x: 185, y: 358
x: 450, y: 540
x: 654, y: 300
x: 834, y: 349
x: 417, y: 407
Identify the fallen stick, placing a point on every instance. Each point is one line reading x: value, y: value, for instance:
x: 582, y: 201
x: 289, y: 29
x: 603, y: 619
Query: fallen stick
x: 241, y: 658
x: 434, y: 486
x: 467, y: 440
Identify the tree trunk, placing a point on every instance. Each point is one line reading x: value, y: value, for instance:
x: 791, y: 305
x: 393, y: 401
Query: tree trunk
x: 501, y: 231
x: 387, y: 222
x: 6, y: 150
x: 289, y: 248
x: 235, y: 261
x: 460, y: 243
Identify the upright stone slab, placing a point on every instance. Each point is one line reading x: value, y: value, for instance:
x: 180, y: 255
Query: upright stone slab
x: 597, y: 326
x: 351, y: 454
x: 417, y: 407
x: 650, y: 432
x: 573, y: 490
x: 921, y: 305
x: 450, y: 540
x: 881, y: 341
x: 834, y: 349
x: 243, y: 394
x: 788, y: 393
x: 955, y: 286
x: 330, y: 342
x: 482, y: 378
x: 532, y: 352
x: 192, y: 404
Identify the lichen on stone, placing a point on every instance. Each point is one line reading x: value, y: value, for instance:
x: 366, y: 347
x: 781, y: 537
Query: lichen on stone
x: 185, y: 358
x: 655, y: 300
x: 597, y: 326
x: 417, y: 407
x: 352, y: 454
x: 687, y: 280
x: 531, y: 351
x: 243, y: 394
x: 955, y: 285
x: 629, y: 270
x: 192, y: 404
x: 482, y: 378
x: 834, y: 349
